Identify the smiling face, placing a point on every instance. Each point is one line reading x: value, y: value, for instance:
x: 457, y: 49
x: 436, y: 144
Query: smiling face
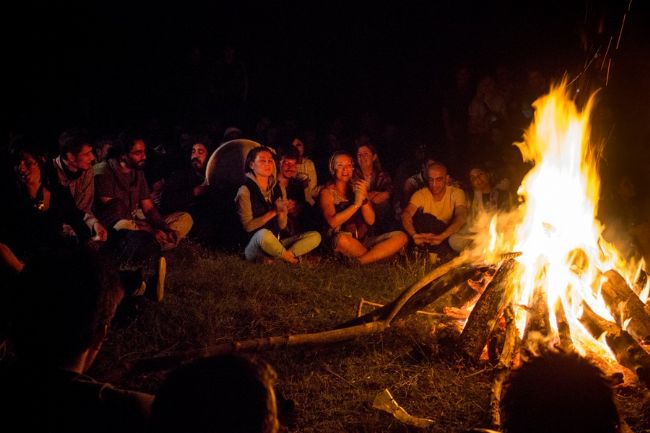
x: 365, y: 157
x: 28, y: 170
x: 263, y: 164
x: 479, y: 179
x: 343, y: 167
x: 437, y: 179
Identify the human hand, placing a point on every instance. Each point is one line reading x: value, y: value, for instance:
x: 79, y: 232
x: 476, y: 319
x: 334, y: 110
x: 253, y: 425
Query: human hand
x: 101, y: 234
x: 200, y: 190
x: 435, y: 239
x: 419, y: 238
x: 360, y: 188
x: 161, y: 236
x: 281, y: 206
x: 292, y: 207
x: 173, y: 236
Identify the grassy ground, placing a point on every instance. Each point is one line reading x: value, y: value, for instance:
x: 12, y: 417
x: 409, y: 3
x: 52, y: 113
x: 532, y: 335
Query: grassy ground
x: 216, y: 297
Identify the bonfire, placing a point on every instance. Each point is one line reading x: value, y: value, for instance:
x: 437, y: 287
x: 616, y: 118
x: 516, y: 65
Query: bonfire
x: 541, y: 275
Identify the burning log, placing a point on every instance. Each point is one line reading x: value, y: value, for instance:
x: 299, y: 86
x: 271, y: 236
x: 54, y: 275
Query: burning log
x: 563, y: 328
x: 627, y: 351
x: 506, y: 359
x: 625, y: 305
x: 487, y: 311
x: 538, y: 315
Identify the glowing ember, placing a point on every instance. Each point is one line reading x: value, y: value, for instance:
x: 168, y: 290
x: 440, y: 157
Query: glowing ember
x: 563, y: 254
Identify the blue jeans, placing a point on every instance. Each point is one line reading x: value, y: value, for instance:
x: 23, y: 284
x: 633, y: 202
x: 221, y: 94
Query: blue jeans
x: 264, y: 242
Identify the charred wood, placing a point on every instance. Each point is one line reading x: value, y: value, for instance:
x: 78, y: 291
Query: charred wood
x: 626, y: 306
x: 487, y: 311
x: 627, y: 351
x: 538, y: 320
x: 563, y: 328
x: 506, y: 360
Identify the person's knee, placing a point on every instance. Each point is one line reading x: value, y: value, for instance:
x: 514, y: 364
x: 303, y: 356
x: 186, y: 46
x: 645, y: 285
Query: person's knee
x: 458, y: 243
x: 314, y: 238
x: 343, y: 243
x: 268, y: 242
x: 400, y: 238
x: 113, y: 211
x: 182, y: 222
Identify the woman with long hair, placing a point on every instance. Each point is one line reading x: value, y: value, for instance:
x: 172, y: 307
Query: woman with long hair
x: 263, y: 209
x: 349, y: 213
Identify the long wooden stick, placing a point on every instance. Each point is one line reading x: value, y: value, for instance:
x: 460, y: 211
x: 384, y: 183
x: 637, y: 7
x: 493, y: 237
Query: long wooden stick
x: 257, y: 344
x: 372, y: 323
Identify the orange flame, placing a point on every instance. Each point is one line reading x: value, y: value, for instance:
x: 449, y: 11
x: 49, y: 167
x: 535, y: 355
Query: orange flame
x: 558, y: 235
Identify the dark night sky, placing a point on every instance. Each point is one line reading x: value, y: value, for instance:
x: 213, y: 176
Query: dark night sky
x: 108, y: 62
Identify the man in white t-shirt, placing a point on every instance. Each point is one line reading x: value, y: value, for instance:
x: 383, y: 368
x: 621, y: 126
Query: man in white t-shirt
x: 435, y: 212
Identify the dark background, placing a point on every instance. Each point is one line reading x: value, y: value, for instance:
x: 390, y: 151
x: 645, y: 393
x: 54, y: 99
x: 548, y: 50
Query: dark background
x: 108, y: 63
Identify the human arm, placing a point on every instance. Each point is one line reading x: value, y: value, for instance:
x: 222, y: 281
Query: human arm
x: 245, y: 212
x: 361, y: 197
x: 8, y: 258
x: 163, y: 232
x: 334, y: 219
x: 382, y: 190
x: 409, y: 228
x: 310, y: 169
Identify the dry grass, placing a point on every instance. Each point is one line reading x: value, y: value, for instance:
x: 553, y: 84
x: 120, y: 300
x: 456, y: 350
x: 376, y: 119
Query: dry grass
x: 216, y: 297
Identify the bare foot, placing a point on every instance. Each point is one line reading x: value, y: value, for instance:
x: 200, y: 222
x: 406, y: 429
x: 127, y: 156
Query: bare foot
x: 289, y: 257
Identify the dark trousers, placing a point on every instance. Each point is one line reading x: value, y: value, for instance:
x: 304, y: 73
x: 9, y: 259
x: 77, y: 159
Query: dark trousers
x: 427, y: 223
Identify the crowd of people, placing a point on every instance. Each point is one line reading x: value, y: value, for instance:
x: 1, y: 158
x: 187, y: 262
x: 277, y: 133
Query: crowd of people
x: 92, y: 223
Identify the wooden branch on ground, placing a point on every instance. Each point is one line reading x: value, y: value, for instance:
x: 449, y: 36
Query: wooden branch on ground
x: 258, y: 344
x: 433, y: 287
x: 487, y: 311
x: 627, y: 351
x: 626, y: 306
x: 354, y: 329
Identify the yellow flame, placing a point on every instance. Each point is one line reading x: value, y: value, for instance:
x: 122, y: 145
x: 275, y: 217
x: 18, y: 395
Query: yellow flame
x: 559, y: 236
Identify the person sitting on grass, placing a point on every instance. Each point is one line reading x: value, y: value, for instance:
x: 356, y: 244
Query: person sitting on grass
x: 348, y: 213
x: 302, y: 216
x: 558, y: 393
x: 380, y: 185
x: 63, y: 305
x: 263, y: 211
x: 40, y: 215
x: 122, y: 197
x: 435, y: 212
x: 224, y: 394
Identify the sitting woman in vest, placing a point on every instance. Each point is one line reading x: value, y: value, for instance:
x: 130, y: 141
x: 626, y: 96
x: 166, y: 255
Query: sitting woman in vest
x: 263, y: 208
x: 349, y: 213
